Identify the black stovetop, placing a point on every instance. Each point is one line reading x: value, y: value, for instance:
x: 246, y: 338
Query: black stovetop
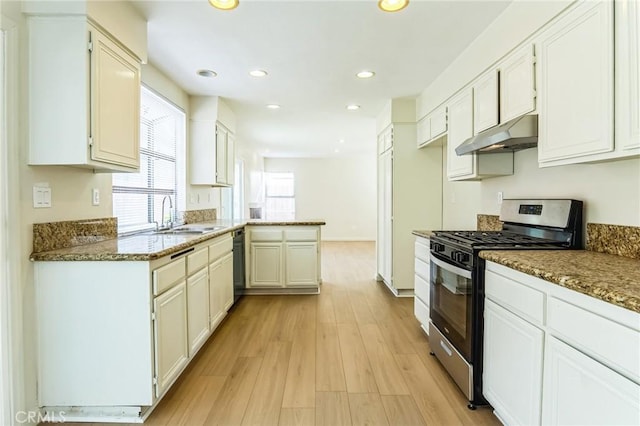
x: 494, y: 239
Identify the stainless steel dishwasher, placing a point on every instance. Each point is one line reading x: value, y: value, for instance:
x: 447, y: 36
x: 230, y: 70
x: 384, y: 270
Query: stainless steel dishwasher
x: 238, y: 264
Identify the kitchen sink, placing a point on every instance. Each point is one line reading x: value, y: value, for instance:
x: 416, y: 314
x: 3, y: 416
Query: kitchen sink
x: 188, y: 230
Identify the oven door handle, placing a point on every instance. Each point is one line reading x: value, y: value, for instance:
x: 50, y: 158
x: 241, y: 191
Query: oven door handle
x: 448, y: 267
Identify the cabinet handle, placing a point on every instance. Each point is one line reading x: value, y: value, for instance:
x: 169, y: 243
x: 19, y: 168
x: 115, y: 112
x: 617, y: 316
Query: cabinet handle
x: 189, y: 250
x: 446, y: 348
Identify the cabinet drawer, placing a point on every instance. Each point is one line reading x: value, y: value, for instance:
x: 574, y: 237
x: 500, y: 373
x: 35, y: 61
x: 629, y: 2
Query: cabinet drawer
x: 615, y: 345
x: 421, y: 311
x: 310, y: 234
x: 219, y: 247
x: 266, y: 235
x: 422, y: 269
x: 166, y: 276
x: 197, y: 260
x: 518, y: 298
x: 421, y: 288
x: 422, y: 249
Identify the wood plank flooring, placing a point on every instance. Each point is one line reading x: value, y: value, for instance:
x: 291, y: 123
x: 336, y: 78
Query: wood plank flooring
x: 353, y: 355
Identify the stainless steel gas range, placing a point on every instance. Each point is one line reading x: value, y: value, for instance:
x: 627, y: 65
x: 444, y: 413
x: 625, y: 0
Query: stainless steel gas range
x: 457, y: 279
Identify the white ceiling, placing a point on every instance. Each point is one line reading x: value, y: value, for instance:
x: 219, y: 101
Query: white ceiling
x: 312, y: 51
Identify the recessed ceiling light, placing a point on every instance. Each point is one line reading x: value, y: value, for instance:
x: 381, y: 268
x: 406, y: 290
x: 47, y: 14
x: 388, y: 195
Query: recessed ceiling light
x: 258, y: 73
x: 207, y: 73
x: 353, y: 107
x: 224, y: 4
x: 392, y: 5
x: 273, y: 106
x: 365, y: 74
x: 341, y: 140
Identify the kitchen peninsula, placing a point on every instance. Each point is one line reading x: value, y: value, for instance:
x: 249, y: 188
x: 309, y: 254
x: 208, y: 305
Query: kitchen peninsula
x: 119, y: 318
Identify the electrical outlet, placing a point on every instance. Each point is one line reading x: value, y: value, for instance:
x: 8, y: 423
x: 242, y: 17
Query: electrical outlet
x: 95, y: 197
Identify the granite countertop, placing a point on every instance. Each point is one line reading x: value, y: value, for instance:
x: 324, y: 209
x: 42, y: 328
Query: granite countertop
x: 149, y: 246
x: 614, y: 279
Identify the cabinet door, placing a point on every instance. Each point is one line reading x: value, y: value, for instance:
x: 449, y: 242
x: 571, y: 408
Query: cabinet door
x: 198, y: 309
x: 302, y: 264
x: 216, y: 293
x: 266, y: 265
x: 227, y: 282
x: 460, y: 129
x: 423, y: 131
x: 627, y: 69
x: 385, y: 216
x: 517, y: 84
x: 512, y: 367
x: 438, y: 122
x: 221, y: 155
x: 231, y: 159
x: 170, y: 333
x: 115, y: 99
x: 485, y: 102
x: 579, y: 390
x: 576, y: 84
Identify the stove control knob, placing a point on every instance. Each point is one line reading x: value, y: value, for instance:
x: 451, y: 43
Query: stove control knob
x: 437, y: 247
x: 460, y: 257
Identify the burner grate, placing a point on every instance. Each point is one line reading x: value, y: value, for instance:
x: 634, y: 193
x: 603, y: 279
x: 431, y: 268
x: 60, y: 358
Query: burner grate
x: 490, y: 238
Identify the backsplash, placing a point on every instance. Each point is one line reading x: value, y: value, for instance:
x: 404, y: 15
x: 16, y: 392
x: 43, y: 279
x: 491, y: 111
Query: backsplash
x: 56, y: 235
x: 488, y: 222
x: 614, y: 239
x: 195, y: 216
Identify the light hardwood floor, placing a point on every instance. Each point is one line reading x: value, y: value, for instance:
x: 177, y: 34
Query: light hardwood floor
x: 353, y: 355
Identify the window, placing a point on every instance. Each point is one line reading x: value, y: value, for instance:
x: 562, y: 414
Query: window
x: 280, y: 196
x: 137, y: 197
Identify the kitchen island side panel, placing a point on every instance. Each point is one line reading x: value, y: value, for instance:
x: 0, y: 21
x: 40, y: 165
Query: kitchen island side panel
x: 94, y: 333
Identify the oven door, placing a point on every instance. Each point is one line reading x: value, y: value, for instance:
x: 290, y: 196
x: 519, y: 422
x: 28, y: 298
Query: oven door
x: 451, y: 303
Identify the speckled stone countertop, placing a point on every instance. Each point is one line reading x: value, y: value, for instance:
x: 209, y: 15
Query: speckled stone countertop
x: 424, y: 234
x: 149, y: 246
x: 614, y: 279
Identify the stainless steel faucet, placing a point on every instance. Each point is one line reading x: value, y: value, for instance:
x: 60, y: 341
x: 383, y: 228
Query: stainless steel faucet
x: 162, y: 223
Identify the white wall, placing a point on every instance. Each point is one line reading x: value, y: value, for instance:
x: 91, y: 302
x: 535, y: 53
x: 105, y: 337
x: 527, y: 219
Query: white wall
x: 253, y: 175
x: 342, y: 191
x: 611, y: 190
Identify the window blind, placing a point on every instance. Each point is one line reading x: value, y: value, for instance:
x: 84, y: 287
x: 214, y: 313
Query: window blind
x: 280, y: 202
x: 137, y: 197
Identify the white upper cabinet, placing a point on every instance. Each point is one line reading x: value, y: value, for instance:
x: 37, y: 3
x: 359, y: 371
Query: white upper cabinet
x: 485, y: 102
x: 212, y: 154
x: 517, y: 84
x: 84, y: 96
x: 576, y: 86
x: 627, y: 74
x: 470, y: 166
x: 460, y: 129
x: 432, y: 126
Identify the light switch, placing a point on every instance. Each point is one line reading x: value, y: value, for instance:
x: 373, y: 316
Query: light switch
x: 41, y: 196
x: 95, y: 197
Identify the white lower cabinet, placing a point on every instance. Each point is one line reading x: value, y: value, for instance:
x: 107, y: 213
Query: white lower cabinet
x: 283, y: 258
x: 170, y: 335
x: 554, y: 356
x: 421, y: 283
x: 227, y: 282
x: 302, y: 264
x: 581, y: 391
x: 220, y: 279
x: 198, y: 309
x: 266, y: 265
x: 512, y: 371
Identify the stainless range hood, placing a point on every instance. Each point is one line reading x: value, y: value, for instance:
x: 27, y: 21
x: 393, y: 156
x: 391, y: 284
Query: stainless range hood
x: 514, y: 135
